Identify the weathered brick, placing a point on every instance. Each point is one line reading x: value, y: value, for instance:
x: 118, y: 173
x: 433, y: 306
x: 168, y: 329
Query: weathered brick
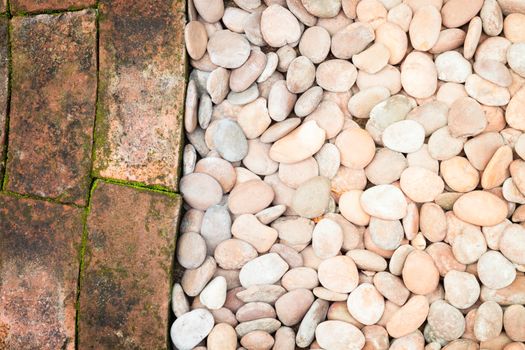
x: 54, y: 82
x: 38, y: 273
x: 142, y: 76
x: 24, y: 6
x: 125, y: 289
x: 3, y: 6
x: 3, y: 89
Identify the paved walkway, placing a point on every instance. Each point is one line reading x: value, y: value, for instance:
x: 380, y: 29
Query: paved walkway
x: 91, y: 103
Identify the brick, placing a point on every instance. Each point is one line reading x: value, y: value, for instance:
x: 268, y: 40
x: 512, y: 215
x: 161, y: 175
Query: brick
x: 3, y: 6
x: 3, y: 89
x: 125, y: 289
x: 25, y: 6
x: 142, y: 77
x: 38, y: 273
x: 54, y: 82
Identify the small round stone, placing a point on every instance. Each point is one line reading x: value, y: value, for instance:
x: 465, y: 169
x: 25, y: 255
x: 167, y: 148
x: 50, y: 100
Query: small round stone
x: 425, y: 27
x: 385, y: 202
x: 292, y: 306
x: 233, y: 253
x: 409, y: 317
x: 228, y: 49
x: 419, y: 273
x: 495, y: 271
x: 315, y: 44
x: 514, y: 322
x: 327, y: 238
x: 420, y: 184
x: 366, y: 304
x: 480, y: 208
x: 356, y: 147
x: 488, y: 321
x: 279, y: 26
x: 419, y: 75
x: 222, y: 337
x: 257, y: 340
x: 405, y: 136
x: 229, y: 140
x: 461, y: 289
x: 338, y: 274
x: 196, y: 39
x: 386, y: 234
x: 336, y: 75
x: 511, y: 244
x: 191, y: 250
x: 453, y: 67
x: 312, y: 198
x: 445, y: 321
x: 300, y: 75
x: 266, y: 269
x: 193, y: 185
x: 191, y: 328
x: 339, y: 335
x: 322, y: 8
x: 250, y: 197
x: 459, y: 174
x: 298, y: 145
x: 455, y: 13
x: 213, y: 295
x: 386, y: 167
x: 466, y: 118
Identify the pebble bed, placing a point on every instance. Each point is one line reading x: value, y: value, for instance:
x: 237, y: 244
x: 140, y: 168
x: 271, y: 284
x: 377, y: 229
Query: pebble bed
x: 354, y: 176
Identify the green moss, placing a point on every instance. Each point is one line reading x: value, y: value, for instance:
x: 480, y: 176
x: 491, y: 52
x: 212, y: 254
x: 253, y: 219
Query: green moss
x: 25, y: 13
x: 142, y: 186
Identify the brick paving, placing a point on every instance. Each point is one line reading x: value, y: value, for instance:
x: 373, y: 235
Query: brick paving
x: 91, y: 104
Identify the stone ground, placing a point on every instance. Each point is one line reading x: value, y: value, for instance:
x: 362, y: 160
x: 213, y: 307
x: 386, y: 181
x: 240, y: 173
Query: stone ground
x: 91, y: 104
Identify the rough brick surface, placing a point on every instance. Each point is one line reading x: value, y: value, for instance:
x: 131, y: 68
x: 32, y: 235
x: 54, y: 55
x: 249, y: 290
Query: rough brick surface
x: 3, y: 88
x: 24, y: 6
x: 3, y: 6
x: 53, y: 101
x: 142, y: 74
x: 124, y: 299
x: 38, y: 273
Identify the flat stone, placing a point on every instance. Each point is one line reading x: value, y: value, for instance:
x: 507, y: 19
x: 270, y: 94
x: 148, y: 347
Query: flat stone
x: 243, y: 77
x: 336, y: 75
x: 266, y: 269
x: 419, y: 75
x: 356, y: 148
x: 338, y: 274
x: 461, y: 289
x: 292, y: 306
x: 246, y: 227
x: 510, y: 241
x: 405, y: 136
x: 126, y: 225
x: 322, y: 8
x: 315, y: 315
x: 213, y: 295
x: 191, y: 250
x: 352, y: 39
x: 339, y: 335
x: 250, y: 197
x: 189, y: 329
x: 295, y: 174
x: 384, y: 201
x: 445, y: 320
x: 312, y: 198
x: 268, y: 293
x: 279, y: 26
x: 280, y: 101
x: 39, y: 273
x: 254, y: 311
x: 222, y: 337
x: 455, y: 13
x: 192, y: 185
x: 315, y: 44
x: 495, y: 271
x: 257, y: 339
x: 211, y: 11
x: 409, y: 317
x: 155, y: 71
x: 3, y: 86
x: 488, y: 321
x: 221, y: 170
x: 298, y: 145
x: 470, y: 206
x: 269, y: 325
x: 420, y: 274
x: 228, y: 49
x: 56, y: 163
x: 514, y: 322
x: 425, y: 27
x: 366, y: 304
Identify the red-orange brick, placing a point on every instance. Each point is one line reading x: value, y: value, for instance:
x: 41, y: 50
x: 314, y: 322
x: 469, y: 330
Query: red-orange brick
x: 142, y: 79
x: 24, y: 6
x: 38, y: 273
x: 53, y: 98
x: 125, y: 289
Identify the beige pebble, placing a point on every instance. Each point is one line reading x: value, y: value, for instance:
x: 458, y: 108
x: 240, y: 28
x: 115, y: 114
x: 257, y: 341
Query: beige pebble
x: 315, y: 44
x: 339, y: 335
x: 514, y: 322
x: 493, y: 48
x: 327, y: 238
x: 511, y: 243
x: 472, y: 38
x: 257, y: 340
x: 292, y: 306
x: 220, y: 169
x: 338, y: 274
x: 329, y: 295
x: 455, y: 13
x: 386, y: 167
x: 329, y: 160
x: 405, y: 136
x: 486, y: 92
x: 279, y: 26
x: 491, y: 17
x: 489, y: 321
x: 258, y: 160
x: 432, y: 222
x: 480, y: 208
x: 513, y: 27
x: 371, y: 11
x: 266, y: 269
x: 194, y: 281
x: 247, y: 228
x: 389, y: 77
x: 298, y: 145
x: 279, y: 130
x: 373, y: 59
x: 222, y: 337
x: 347, y: 179
x: 496, y: 170
x: 515, y: 58
x: 269, y: 325
x: 241, y: 78
x: 417, y: 68
x: 493, y: 71
x: 193, y: 185
x: 395, y: 39
x: 280, y: 101
x: 351, y: 209
x: 260, y: 293
x: 445, y: 320
x: 425, y: 27
x: 442, y: 145
x: 480, y: 149
x: 409, y: 317
x: 300, y: 277
x: 366, y: 304
x: 361, y: 103
x: 423, y: 159
x: 294, y: 230
x: 420, y: 184
x: 191, y: 250
x: 386, y: 234
x: 210, y: 11
x: 352, y: 40
x: 217, y: 84
x: 308, y: 101
x: 461, y: 289
x: 356, y: 148
x: 469, y: 245
x: 391, y: 287
x: 401, y: 14
x: 191, y: 328
x: 431, y: 115
x: 453, y: 67
x: 196, y: 39
x: 228, y: 49
x: 250, y: 197
x: 213, y: 295
x: 420, y: 274
x: 233, y: 253
x: 495, y: 271
x: 289, y: 254
x: 323, y: 9
x: 449, y: 39
x: 300, y: 75
x: 513, y: 111
x: 336, y: 75
x: 285, y: 336
x: 367, y: 260
x: 466, y: 118
x: 384, y: 201
x: 329, y: 117
x: 312, y: 198
x: 294, y: 174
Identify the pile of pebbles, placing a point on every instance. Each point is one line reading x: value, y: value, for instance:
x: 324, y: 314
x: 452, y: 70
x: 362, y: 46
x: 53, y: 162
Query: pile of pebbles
x: 354, y: 176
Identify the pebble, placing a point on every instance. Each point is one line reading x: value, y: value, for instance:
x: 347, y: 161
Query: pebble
x: 338, y: 274
x: 386, y: 234
x: 294, y: 230
x: 300, y: 277
x: 301, y: 143
x: 461, y: 289
x: 228, y: 49
x: 233, y: 253
x: 308, y: 101
x: 446, y: 321
x: 195, y: 39
x: 453, y: 67
x: 193, y: 185
x: 336, y: 75
x: 258, y: 159
x: 356, y: 148
x: 366, y: 304
x: 249, y: 229
x: 300, y: 75
x: 514, y: 322
x: 329, y: 117
x: 230, y: 141
x: 213, y: 295
x: 373, y: 59
x: 279, y: 26
x: 254, y: 311
x: 391, y: 287
x: 210, y: 11
x: 222, y: 337
x: 292, y: 306
x: 257, y: 340
x: 515, y: 58
x: 261, y: 293
x: 312, y: 197
x: 420, y: 184
x: 409, y: 317
x: 489, y: 321
x: 495, y: 271
x: 367, y: 260
x: 386, y: 202
x: 191, y: 328
x: 351, y: 209
x: 265, y: 269
x: 191, y: 250
x: 315, y: 44
x: 289, y: 254
x: 339, y: 335
x: 285, y: 336
x: 328, y: 159
x: 491, y: 17
x: 386, y: 167
x: 456, y: 13
x: 280, y: 101
x: 327, y: 238
x: 420, y: 274
x: 425, y: 28
x: 268, y: 325
x: 315, y: 314
x: 419, y: 75
x: 218, y: 85
x: 322, y: 8
x: 486, y: 92
x: 179, y: 303
x: 511, y: 243
x: 480, y: 208
x: 405, y: 136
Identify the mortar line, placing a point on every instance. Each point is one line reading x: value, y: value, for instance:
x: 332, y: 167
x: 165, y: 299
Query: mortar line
x: 8, y: 101
x: 51, y: 12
